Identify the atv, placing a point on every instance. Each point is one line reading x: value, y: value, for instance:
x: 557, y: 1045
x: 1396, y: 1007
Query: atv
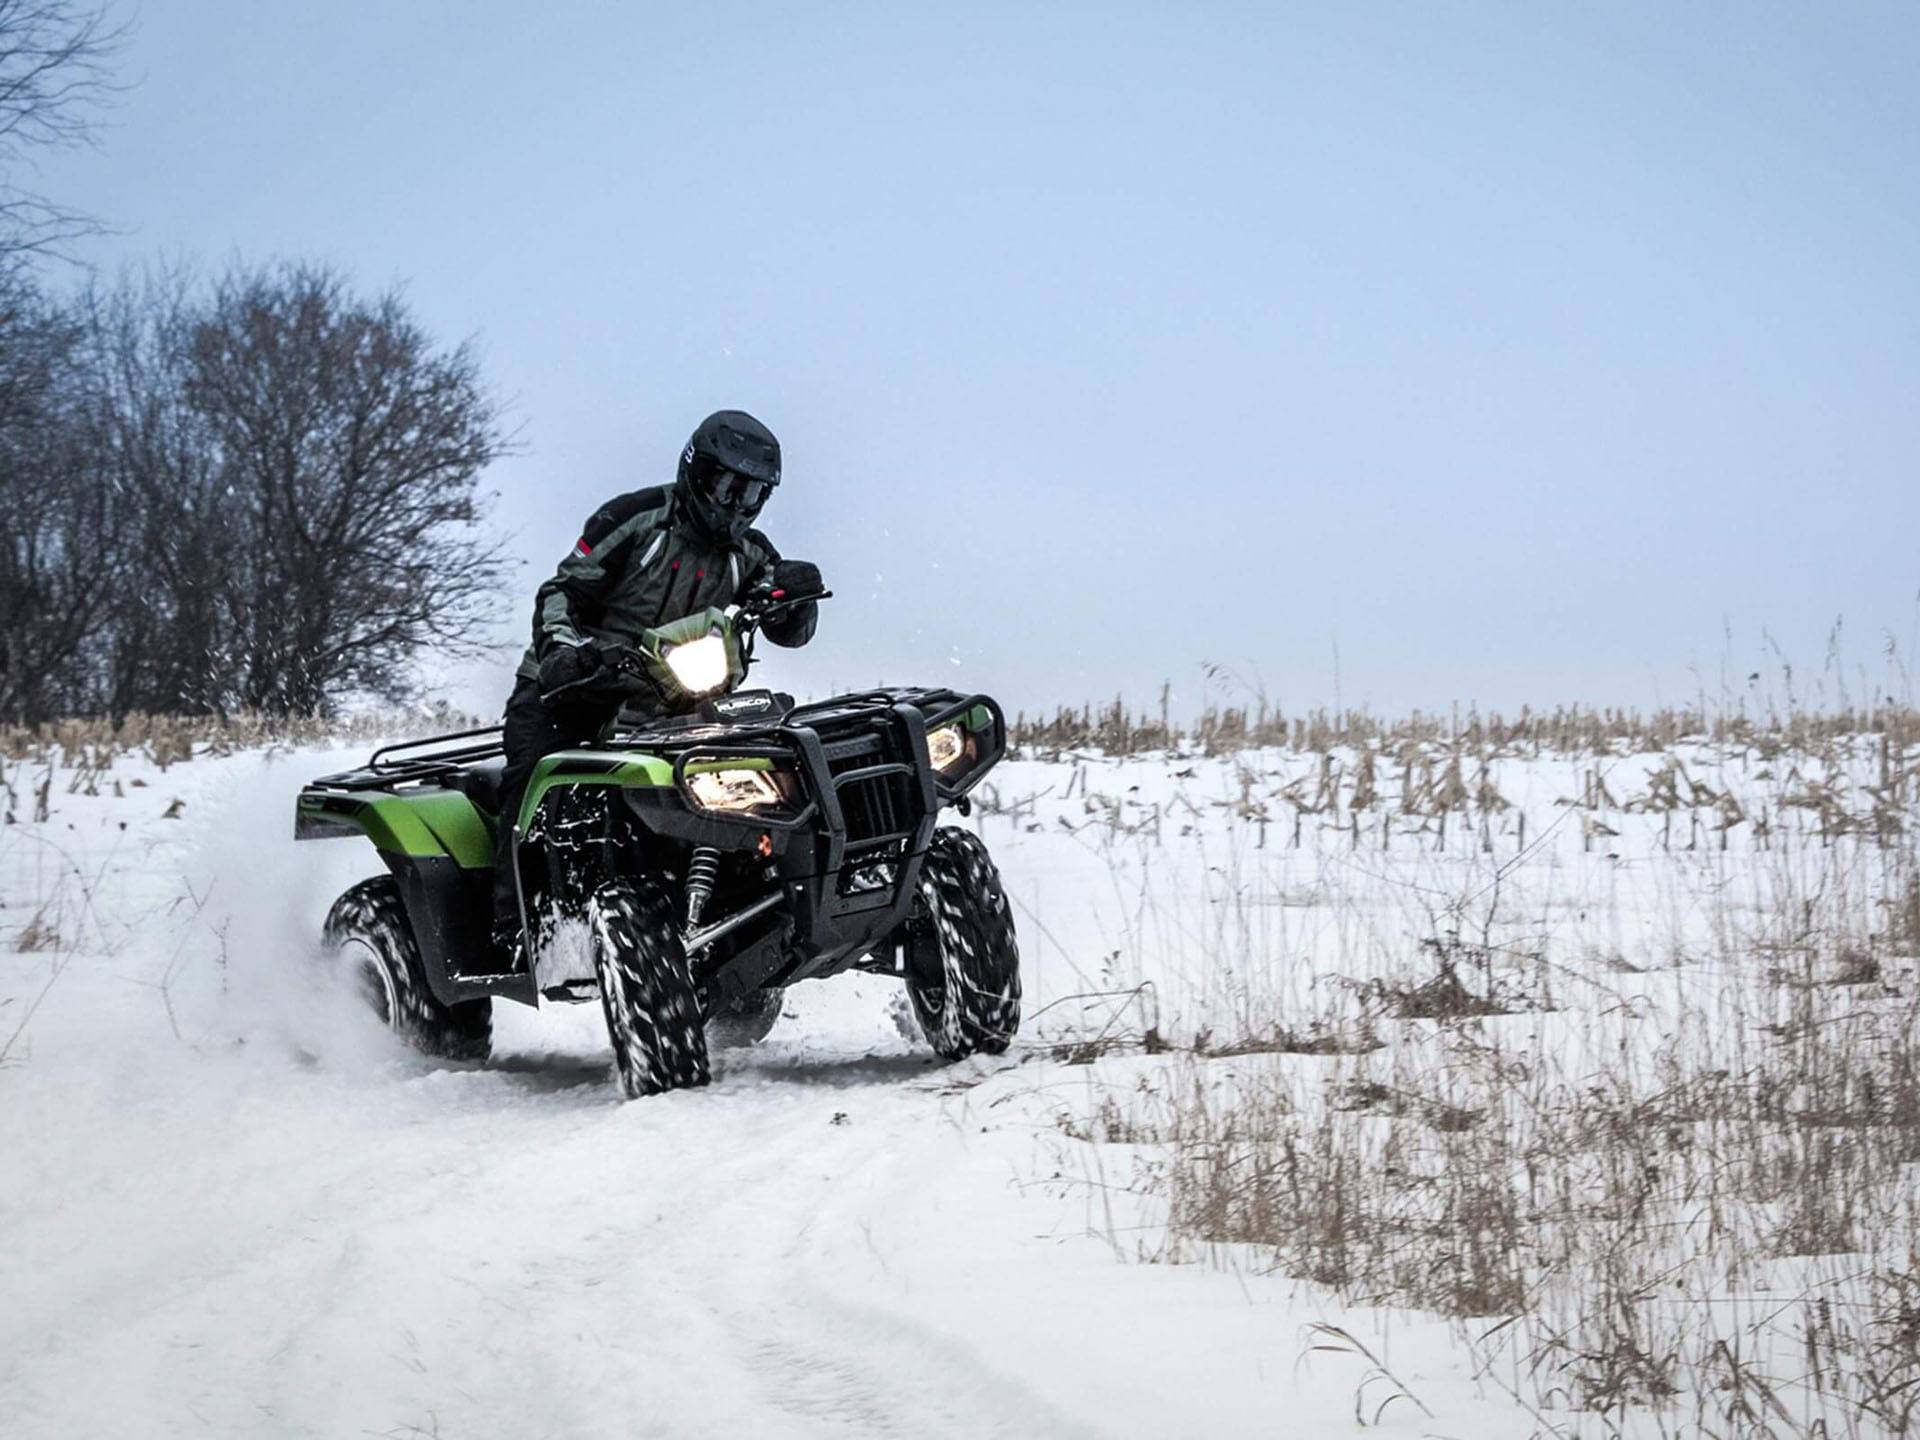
x: 711, y: 847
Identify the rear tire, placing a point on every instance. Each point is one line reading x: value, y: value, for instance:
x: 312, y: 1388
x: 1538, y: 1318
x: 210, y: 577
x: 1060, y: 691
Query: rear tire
x: 963, y: 962
x: 646, y: 989
x: 368, y: 931
x: 745, y: 1022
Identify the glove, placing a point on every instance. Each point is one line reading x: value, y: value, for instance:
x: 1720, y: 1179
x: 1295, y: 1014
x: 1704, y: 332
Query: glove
x: 567, y: 665
x: 796, y: 579
x: 793, y: 580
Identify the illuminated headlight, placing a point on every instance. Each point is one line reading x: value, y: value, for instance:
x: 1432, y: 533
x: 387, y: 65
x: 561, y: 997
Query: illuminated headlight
x: 948, y: 747
x: 700, y: 665
x: 737, y: 789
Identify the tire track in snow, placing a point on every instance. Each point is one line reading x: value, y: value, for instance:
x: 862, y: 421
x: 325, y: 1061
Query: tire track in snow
x: 465, y: 1244
x: 840, y: 1368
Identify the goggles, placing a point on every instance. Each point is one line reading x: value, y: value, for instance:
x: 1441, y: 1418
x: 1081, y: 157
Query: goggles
x: 736, y: 491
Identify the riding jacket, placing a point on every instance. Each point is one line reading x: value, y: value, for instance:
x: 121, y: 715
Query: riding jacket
x: 641, y: 562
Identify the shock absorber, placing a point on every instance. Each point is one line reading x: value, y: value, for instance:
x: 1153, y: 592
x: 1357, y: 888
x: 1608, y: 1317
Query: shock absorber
x: 703, y: 868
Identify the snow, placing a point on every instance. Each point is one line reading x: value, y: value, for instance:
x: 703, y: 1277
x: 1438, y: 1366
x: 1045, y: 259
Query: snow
x: 231, y: 1205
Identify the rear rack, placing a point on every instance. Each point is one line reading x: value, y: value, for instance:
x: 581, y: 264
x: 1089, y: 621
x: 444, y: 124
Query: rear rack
x: 394, y: 765
x: 465, y: 752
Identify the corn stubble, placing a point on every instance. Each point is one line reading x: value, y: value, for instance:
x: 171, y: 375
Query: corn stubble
x: 1655, y: 1163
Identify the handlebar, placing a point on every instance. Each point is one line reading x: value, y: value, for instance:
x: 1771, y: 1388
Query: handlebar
x: 630, y: 660
x: 755, y: 612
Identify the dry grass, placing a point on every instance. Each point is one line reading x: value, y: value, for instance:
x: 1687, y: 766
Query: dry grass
x: 40, y: 933
x: 1117, y: 729
x: 86, y: 749
x: 1695, y: 1219
x: 1660, y: 1186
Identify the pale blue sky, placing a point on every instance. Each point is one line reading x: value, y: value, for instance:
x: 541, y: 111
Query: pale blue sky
x: 1517, y: 350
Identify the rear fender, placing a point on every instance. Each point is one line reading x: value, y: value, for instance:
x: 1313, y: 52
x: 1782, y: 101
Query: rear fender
x: 449, y: 907
x: 426, y: 824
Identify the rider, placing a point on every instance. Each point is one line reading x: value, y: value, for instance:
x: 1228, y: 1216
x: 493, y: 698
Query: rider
x: 645, y: 559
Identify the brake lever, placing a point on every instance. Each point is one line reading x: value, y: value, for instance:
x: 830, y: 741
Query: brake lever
x: 776, y: 607
x: 617, y: 662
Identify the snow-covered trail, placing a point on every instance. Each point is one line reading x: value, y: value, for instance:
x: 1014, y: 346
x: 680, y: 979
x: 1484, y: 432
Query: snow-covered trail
x: 234, y: 1207
x: 498, y: 1251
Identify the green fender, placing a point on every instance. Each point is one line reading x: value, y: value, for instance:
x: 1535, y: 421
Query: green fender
x: 436, y: 824
x: 430, y: 824
x: 590, y: 767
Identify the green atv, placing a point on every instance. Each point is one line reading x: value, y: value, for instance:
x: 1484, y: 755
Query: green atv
x: 711, y: 847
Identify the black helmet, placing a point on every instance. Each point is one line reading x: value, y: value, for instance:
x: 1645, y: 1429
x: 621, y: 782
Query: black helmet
x: 727, y: 471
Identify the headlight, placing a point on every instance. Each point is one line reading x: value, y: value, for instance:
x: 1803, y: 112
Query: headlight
x: 700, y: 665
x: 737, y: 788
x: 949, y: 747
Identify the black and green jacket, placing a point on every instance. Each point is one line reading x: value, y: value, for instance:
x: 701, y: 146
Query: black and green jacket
x: 640, y: 563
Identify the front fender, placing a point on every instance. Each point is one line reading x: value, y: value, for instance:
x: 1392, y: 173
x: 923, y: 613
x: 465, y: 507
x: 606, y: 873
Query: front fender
x: 590, y: 767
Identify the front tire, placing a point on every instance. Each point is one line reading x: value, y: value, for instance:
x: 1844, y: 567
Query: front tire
x: 367, y: 929
x: 646, y: 989
x: 963, y: 962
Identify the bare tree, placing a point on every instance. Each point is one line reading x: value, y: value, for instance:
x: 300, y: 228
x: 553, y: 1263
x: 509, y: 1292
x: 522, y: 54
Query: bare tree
x: 166, y: 647
x: 262, y: 494
x: 53, y: 76
x: 348, y: 455
x: 56, y: 520
x: 59, y: 529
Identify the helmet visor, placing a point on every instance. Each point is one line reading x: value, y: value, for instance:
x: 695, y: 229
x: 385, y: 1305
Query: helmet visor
x: 738, y: 492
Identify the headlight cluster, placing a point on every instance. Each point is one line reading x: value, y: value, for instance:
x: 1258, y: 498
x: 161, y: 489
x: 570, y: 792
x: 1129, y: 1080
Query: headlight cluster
x: 737, y: 788
x: 740, y: 785
x: 701, y: 665
x: 949, y: 747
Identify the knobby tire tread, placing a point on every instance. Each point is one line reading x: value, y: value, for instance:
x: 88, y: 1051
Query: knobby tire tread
x: 647, y: 990
x: 374, y: 913
x: 964, y: 961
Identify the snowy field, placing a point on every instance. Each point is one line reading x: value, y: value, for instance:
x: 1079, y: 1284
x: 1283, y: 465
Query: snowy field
x: 1556, y: 1094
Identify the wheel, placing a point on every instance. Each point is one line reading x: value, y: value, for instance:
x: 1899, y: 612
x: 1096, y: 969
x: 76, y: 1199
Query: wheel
x: 746, y: 1021
x: 368, y: 930
x: 963, y: 963
x: 653, y: 1010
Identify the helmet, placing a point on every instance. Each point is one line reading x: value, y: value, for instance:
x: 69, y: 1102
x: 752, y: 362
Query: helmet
x: 727, y: 471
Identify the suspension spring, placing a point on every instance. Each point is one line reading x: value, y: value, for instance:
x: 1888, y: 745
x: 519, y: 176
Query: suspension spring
x: 703, y: 868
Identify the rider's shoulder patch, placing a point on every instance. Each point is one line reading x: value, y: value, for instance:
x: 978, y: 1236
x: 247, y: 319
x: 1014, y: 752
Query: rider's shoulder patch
x: 616, y: 513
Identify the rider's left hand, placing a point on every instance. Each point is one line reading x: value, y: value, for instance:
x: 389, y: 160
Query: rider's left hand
x: 567, y: 665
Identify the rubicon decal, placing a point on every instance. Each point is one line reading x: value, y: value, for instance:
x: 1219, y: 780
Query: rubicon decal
x: 744, y: 705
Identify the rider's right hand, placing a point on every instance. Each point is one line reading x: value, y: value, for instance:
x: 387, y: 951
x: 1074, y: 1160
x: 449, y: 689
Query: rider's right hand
x: 567, y: 665
x: 796, y: 579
